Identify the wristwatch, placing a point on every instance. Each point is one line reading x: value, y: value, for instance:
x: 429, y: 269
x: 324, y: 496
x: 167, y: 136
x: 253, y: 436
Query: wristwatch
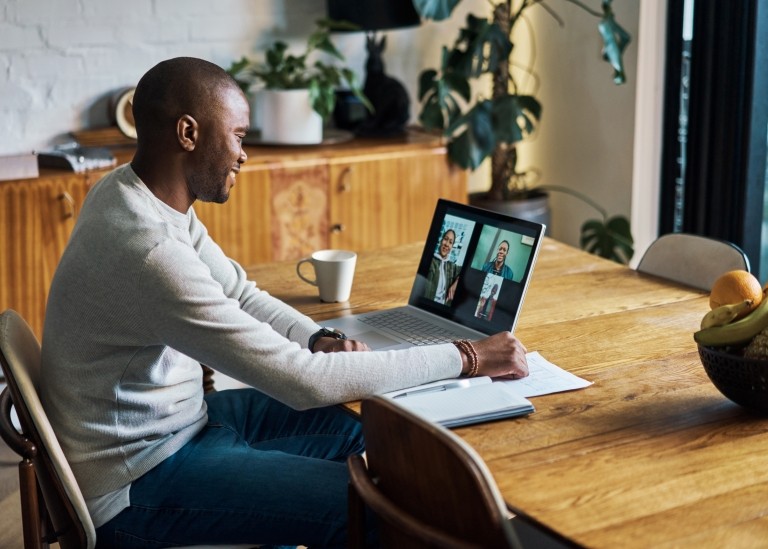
x: 324, y: 332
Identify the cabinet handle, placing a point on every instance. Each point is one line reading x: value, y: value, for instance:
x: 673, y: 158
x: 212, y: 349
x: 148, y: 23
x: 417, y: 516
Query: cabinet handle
x: 68, y: 205
x: 344, y: 183
x: 337, y: 228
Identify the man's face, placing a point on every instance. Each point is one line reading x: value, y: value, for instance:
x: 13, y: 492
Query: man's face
x: 220, y: 147
x: 446, y: 244
x: 501, y: 255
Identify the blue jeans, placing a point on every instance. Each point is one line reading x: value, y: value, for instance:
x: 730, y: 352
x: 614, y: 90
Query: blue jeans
x: 259, y: 472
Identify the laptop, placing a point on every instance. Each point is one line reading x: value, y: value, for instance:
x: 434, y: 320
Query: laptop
x: 470, y: 282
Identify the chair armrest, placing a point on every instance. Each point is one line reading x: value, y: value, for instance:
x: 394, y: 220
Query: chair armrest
x: 17, y: 441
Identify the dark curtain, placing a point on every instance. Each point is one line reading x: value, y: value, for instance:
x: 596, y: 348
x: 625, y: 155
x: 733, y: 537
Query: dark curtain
x: 721, y: 192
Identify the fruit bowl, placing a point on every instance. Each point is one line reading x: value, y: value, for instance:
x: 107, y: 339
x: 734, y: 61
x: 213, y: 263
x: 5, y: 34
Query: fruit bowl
x: 742, y: 380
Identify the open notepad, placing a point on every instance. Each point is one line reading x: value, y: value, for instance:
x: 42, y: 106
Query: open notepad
x: 457, y: 402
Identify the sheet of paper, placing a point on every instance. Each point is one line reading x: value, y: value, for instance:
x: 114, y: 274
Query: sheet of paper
x: 544, y: 378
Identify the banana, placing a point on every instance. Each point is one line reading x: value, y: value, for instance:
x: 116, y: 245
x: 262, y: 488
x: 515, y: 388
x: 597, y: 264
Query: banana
x: 737, y: 332
x: 724, y: 314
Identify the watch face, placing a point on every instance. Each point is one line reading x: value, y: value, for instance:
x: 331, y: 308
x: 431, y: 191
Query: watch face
x: 334, y: 333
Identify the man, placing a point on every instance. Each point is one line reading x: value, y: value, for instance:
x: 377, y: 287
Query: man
x: 498, y: 265
x: 142, y: 296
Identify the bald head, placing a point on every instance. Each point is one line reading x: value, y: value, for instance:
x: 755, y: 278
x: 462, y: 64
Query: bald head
x: 172, y: 88
x: 191, y: 118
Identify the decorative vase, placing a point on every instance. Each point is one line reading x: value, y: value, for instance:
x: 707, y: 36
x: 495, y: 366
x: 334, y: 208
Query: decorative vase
x: 287, y: 117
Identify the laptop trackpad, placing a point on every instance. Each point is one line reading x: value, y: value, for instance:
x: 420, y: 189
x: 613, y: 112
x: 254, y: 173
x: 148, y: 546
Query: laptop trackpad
x: 376, y: 340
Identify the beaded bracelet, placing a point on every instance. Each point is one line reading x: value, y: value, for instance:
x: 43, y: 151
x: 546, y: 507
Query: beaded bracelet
x: 466, y: 346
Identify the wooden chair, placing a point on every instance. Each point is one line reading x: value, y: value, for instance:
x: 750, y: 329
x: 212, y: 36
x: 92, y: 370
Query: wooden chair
x: 691, y: 259
x: 52, y: 505
x: 429, y: 488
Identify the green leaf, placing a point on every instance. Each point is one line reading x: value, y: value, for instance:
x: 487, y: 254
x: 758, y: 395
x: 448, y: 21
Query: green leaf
x: 439, y: 108
x: 238, y: 70
x: 615, y: 41
x: 323, y: 43
x: 435, y: 9
x: 322, y: 97
x: 354, y: 85
x: 431, y: 115
x: 530, y: 104
x: 611, y: 239
x: 427, y: 82
x: 513, y: 117
x: 480, y: 47
x: 464, y: 152
x: 474, y: 139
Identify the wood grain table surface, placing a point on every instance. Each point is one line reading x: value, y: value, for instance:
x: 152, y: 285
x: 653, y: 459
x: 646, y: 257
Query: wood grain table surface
x: 650, y: 455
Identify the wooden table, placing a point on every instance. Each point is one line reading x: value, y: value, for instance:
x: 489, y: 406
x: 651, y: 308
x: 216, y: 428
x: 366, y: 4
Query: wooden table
x: 651, y: 455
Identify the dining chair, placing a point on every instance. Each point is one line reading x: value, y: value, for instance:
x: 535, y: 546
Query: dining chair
x: 53, y: 509
x: 426, y: 487
x: 691, y: 259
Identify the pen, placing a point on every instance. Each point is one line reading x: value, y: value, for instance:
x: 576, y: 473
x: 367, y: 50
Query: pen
x: 418, y: 391
x: 445, y: 387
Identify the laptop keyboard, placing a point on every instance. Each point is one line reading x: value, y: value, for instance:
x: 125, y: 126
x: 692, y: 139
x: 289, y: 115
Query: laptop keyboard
x: 413, y: 330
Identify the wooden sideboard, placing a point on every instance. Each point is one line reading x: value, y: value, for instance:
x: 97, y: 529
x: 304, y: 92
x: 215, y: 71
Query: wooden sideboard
x: 360, y: 195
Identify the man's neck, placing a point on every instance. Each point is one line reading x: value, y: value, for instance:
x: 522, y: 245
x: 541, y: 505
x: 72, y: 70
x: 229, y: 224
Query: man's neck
x: 164, y: 185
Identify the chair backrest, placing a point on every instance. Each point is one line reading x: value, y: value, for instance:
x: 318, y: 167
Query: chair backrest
x: 426, y: 486
x: 691, y: 259
x: 62, y: 515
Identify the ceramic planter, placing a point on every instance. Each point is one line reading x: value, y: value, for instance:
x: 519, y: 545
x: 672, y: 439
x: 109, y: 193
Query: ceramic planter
x: 286, y: 117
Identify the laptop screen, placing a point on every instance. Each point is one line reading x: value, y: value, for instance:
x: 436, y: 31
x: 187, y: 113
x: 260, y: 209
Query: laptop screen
x: 476, y: 266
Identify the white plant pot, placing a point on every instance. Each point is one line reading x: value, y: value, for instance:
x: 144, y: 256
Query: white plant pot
x: 285, y: 116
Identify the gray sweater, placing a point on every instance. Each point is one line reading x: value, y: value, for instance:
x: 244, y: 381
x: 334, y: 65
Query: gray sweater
x: 141, y: 297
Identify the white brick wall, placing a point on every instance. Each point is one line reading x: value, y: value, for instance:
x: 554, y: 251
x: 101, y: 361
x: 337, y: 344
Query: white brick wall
x: 60, y: 60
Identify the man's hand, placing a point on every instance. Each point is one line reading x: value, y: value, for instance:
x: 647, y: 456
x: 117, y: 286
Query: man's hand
x: 501, y: 355
x: 333, y: 345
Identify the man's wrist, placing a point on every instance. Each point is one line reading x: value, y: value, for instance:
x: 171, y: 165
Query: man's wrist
x: 324, y: 332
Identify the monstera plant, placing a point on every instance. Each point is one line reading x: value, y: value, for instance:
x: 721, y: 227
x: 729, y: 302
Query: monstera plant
x: 478, y: 127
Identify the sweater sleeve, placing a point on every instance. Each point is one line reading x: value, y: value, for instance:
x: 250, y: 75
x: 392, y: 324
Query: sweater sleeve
x: 234, y: 282
x: 207, y: 310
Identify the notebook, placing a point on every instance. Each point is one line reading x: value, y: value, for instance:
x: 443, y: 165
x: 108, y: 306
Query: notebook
x: 470, y: 282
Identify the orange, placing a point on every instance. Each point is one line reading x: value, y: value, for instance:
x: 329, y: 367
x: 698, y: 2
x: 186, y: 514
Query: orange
x: 735, y: 287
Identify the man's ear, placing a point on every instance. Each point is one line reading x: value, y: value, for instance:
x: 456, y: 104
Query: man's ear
x: 186, y: 132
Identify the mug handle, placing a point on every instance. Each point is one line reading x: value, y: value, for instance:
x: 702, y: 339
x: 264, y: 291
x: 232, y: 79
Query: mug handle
x: 301, y: 276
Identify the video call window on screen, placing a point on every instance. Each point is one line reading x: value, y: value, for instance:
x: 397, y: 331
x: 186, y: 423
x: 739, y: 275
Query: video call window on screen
x: 478, y: 269
x: 498, y: 253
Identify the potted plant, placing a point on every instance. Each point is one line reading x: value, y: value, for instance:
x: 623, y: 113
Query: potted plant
x: 297, y: 96
x: 478, y: 127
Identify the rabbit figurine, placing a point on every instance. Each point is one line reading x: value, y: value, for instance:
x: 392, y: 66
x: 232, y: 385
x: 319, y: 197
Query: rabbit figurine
x: 387, y: 95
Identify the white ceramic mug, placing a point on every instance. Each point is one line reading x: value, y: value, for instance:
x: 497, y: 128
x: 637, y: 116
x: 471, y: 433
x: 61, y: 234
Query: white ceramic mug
x: 334, y: 271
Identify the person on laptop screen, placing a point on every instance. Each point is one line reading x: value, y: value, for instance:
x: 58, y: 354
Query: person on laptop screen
x: 487, y: 303
x: 443, y: 274
x: 498, y: 265
x: 142, y: 296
